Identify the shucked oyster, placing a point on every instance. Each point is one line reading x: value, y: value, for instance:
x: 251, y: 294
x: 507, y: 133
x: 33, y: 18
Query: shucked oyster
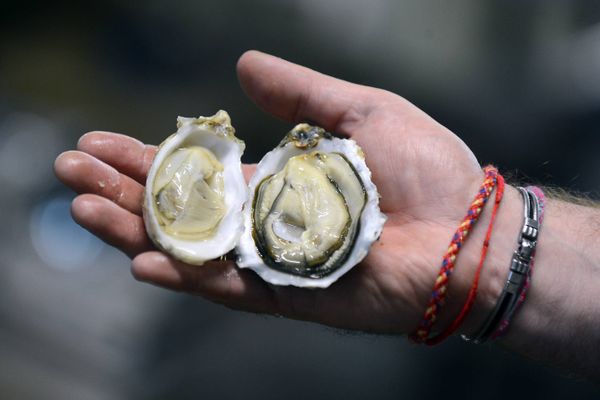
x: 314, y: 211
x: 311, y: 210
x: 195, y: 190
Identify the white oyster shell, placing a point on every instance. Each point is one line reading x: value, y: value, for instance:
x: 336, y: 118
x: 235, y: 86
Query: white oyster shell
x: 216, y: 134
x: 304, y: 139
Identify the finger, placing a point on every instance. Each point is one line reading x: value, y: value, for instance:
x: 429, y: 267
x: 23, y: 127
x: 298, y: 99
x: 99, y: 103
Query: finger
x: 218, y: 281
x: 111, y: 223
x: 296, y: 93
x: 223, y: 282
x: 128, y: 155
x: 86, y: 174
x: 242, y: 289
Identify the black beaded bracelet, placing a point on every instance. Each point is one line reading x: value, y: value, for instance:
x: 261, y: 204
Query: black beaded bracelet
x: 519, y: 269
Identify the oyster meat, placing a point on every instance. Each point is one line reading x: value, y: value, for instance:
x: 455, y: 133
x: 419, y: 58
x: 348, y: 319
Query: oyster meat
x: 195, y: 190
x: 313, y: 213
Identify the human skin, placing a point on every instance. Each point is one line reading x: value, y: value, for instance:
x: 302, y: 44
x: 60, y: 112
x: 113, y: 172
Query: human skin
x: 427, y: 177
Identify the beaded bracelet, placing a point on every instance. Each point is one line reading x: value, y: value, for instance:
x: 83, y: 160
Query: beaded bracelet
x: 503, y: 327
x: 438, y: 294
x: 519, y: 269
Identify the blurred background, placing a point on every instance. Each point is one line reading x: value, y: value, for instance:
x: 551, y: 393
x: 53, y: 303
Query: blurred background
x: 517, y: 81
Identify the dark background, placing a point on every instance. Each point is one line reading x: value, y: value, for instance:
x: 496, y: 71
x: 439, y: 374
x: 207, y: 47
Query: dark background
x: 517, y: 81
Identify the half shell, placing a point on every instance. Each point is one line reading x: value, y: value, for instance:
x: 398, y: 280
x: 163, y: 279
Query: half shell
x: 195, y: 190
x: 313, y: 213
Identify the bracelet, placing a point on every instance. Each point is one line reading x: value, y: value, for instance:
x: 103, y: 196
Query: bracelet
x: 503, y: 327
x: 519, y: 269
x: 438, y: 294
x: 472, y: 295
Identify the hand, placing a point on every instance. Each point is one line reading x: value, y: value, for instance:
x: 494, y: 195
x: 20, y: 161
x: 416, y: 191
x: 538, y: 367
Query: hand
x: 426, y: 176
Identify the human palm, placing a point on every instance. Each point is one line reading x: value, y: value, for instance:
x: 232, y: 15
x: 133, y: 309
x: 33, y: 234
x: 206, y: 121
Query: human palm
x: 425, y: 175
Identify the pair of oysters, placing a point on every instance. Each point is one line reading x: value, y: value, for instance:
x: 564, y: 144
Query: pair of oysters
x: 309, y: 214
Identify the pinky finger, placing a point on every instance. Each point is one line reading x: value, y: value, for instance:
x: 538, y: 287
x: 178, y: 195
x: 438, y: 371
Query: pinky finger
x: 218, y: 281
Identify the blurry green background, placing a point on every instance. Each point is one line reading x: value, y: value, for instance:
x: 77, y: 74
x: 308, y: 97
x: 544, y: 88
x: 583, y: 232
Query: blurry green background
x: 517, y: 81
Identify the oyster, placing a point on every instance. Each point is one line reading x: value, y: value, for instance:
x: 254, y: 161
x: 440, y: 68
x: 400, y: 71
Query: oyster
x: 195, y: 190
x: 314, y: 211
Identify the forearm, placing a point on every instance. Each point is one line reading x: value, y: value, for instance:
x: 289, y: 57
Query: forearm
x: 559, y: 322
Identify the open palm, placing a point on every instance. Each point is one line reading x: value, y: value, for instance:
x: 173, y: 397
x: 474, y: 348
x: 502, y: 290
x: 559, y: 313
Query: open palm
x: 426, y: 177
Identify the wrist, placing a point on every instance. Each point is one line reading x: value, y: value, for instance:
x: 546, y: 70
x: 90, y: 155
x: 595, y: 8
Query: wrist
x: 566, y: 280
x: 503, y: 242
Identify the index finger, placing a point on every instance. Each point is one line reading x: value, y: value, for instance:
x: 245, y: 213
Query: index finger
x: 126, y: 154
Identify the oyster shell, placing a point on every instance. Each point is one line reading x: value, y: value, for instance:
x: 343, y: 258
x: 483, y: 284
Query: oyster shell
x: 195, y: 190
x: 314, y: 211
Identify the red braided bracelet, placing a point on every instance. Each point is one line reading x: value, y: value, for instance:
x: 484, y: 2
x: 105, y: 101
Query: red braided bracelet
x: 473, y: 290
x: 441, y: 283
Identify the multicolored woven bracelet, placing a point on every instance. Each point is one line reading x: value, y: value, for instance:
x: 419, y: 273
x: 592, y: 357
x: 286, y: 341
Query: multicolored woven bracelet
x: 472, y: 295
x: 438, y: 294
